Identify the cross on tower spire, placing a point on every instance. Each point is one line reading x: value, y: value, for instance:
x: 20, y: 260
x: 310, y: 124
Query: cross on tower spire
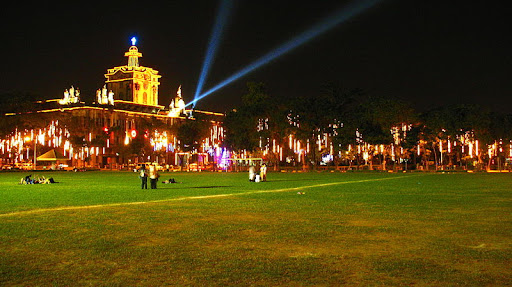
x: 133, y: 54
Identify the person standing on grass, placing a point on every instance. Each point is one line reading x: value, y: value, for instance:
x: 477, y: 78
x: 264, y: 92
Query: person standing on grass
x: 143, y: 175
x: 263, y: 172
x: 252, y: 173
x: 153, y: 176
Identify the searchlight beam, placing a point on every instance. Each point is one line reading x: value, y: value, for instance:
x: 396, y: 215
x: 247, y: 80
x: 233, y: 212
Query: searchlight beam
x: 220, y: 22
x: 342, y: 15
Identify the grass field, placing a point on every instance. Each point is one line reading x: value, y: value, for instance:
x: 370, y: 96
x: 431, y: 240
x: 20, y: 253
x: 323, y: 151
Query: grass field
x: 216, y: 229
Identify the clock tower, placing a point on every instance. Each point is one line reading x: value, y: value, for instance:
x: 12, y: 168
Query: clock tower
x: 132, y: 82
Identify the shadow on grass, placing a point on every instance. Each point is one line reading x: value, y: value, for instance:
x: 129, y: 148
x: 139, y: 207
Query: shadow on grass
x: 211, y: 186
x: 276, y: 180
x: 208, y: 186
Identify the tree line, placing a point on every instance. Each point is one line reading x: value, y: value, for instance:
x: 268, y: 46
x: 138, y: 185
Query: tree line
x: 344, y: 126
x: 384, y: 130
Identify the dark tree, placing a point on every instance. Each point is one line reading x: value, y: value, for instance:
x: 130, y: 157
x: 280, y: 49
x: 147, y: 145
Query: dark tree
x: 192, y: 132
x: 17, y: 102
x: 241, y: 124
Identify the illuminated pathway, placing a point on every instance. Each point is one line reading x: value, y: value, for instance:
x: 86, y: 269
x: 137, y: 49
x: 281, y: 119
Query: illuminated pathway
x: 43, y: 210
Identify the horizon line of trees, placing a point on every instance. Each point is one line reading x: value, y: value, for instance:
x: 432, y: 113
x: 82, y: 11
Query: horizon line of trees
x: 350, y: 126
x: 349, y: 118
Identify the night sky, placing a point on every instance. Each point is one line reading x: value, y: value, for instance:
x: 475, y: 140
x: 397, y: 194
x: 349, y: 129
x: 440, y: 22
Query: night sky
x: 426, y: 52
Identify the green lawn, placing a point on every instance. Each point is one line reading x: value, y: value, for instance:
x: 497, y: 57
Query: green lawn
x: 216, y: 229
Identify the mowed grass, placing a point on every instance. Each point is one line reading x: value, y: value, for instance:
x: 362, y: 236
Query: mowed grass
x: 216, y: 229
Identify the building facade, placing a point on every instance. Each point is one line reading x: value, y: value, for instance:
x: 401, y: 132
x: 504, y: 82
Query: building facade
x: 132, y: 82
x: 123, y: 126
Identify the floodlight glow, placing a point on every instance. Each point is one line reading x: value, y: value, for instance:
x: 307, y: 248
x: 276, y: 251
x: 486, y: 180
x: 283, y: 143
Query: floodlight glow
x: 220, y: 22
x: 338, y: 17
x: 134, y: 41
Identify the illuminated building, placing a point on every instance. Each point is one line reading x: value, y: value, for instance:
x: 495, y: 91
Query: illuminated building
x: 133, y: 82
x: 99, y: 134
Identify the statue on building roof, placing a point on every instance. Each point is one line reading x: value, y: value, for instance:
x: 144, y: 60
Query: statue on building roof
x: 66, y: 96
x: 111, y: 98
x: 70, y: 97
x: 177, y: 106
x: 103, y: 97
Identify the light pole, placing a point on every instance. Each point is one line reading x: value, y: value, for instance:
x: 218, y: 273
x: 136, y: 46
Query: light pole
x: 29, y: 139
x: 35, y: 153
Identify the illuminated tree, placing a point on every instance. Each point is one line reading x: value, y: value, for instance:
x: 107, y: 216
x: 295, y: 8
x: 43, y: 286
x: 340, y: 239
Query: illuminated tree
x: 455, y: 121
x: 378, y: 116
x: 316, y: 115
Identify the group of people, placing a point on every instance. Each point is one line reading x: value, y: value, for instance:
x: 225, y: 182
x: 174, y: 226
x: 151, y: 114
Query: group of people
x: 152, y: 173
x: 255, y: 176
x: 36, y: 180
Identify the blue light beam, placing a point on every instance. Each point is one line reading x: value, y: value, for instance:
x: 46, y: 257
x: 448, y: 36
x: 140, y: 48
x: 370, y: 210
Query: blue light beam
x: 338, y: 17
x: 220, y: 22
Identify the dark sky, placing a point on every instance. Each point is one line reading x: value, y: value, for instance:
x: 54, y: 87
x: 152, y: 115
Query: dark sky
x: 426, y: 52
